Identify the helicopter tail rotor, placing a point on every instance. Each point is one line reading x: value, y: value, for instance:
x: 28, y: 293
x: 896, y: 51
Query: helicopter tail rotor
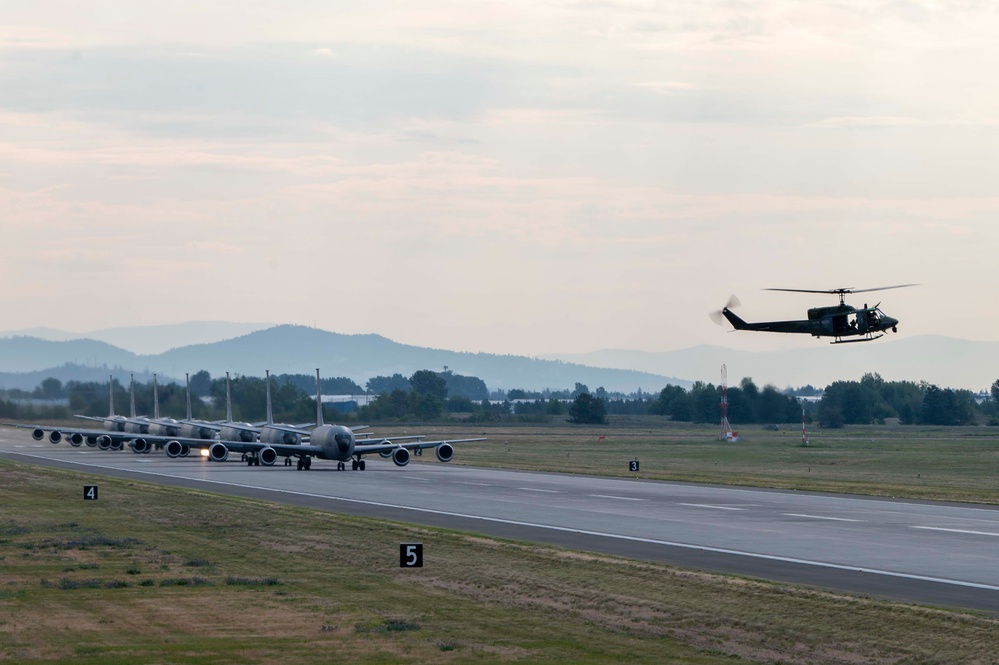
x: 718, y: 316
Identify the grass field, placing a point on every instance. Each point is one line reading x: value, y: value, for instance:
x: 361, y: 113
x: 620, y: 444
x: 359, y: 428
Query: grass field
x: 943, y: 463
x: 149, y: 574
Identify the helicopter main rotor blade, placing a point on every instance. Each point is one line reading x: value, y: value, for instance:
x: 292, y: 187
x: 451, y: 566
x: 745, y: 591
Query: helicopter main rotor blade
x: 844, y: 290
x: 883, y: 288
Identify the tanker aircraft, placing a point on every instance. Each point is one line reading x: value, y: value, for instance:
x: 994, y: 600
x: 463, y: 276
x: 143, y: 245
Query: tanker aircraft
x: 333, y: 442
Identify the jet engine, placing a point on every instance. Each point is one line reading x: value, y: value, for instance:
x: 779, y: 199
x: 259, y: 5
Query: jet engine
x: 445, y: 452
x: 267, y: 456
x: 140, y: 446
x: 104, y: 442
x: 385, y: 454
x: 173, y: 449
x: 400, y: 456
x: 75, y: 439
x: 91, y: 441
x: 217, y: 452
x: 55, y: 436
x: 38, y: 434
x: 114, y: 445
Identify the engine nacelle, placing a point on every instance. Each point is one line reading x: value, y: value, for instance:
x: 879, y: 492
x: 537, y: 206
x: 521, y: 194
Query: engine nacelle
x: 115, y: 444
x: 104, y: 442
x: 75, y: 439
x: 217, y: 452
x: 185, y: 450
x: 445, y: 452
x: 400, y: 456
x: 385, y: 454
x: 91, y: 441
x: 267, y: 456
x: 173, y: 449
x: 38, y: 434
x: 140, y: 446
x: 55, y: 436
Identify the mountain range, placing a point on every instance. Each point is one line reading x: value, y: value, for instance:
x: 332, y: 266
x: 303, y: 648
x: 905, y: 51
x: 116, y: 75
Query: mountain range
x: 290, y: 349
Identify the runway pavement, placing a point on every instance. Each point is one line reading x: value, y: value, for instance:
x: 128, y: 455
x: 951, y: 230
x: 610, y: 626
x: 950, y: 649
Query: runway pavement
x: 936, y: 553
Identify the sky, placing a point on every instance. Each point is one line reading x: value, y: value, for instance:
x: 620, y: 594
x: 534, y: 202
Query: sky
x: 511, y: 177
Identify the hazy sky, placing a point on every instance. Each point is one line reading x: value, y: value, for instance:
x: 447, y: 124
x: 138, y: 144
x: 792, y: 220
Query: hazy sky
x: 514, y: 177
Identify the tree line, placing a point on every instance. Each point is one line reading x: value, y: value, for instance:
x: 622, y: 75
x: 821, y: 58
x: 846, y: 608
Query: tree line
x: 427, y: 395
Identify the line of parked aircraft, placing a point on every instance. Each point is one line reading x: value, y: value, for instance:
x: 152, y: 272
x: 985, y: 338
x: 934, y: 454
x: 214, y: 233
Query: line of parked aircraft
x: 259, y: 444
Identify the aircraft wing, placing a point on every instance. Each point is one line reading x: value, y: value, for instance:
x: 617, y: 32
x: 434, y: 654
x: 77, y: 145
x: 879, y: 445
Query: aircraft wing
x: 387, y: 445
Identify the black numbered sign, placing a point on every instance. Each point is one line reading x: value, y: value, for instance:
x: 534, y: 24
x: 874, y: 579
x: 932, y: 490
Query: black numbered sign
x: 411, y: 555
x: 633, y: 466
x: 90, y: 492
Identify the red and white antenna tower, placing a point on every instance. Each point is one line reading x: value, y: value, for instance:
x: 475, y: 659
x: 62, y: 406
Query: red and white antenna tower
x: 726, y: 428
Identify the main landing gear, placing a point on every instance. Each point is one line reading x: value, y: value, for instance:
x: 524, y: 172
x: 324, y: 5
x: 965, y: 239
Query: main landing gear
x: 305, y: 463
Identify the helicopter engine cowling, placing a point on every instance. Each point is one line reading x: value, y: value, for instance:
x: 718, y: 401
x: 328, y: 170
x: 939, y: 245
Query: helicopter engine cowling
x: 445, y: 452
x: 217, y: 452
x: 139, y: 446
x: 75, y: 439
x: 173, y: 449
x: 400, y: 456
x: 38, y: 434
x: 104, y: 442
x: 55, y: 437
x: 267, y: 456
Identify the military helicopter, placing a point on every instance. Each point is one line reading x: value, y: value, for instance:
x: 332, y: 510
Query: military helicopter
x: 837, y: 321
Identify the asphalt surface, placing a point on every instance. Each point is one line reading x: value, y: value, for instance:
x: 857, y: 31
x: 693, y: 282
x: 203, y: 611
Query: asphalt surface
x: 925, y: 552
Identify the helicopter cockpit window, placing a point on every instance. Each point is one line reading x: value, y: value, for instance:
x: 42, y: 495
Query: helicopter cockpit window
x: 873, y: 317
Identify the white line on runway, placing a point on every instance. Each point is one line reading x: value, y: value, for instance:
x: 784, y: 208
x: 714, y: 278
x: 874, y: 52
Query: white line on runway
x: 534, y: 489
x: 611, y: 496
x: 465, y: 482
x: 820, y: 517
x: 414, y: 478
x: 974, y: 533
x: 551, y: 527
x: 708, y: 505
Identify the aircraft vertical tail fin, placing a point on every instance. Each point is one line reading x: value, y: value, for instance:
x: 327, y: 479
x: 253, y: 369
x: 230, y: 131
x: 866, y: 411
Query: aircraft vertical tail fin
x: 319, y: 402
x: 228, y: 399
x: 131, y: 391
x: 190, y: 415
x: 270, y: 413
x: 111, y: 396
x: 736, y: 322
x: 156, y: 400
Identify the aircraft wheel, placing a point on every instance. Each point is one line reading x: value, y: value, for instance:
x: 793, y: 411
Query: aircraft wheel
x: 299, y: 463
x: 353, y: 465
x: 308, y: 463
x: 360, y: 465
x: 340, y: 466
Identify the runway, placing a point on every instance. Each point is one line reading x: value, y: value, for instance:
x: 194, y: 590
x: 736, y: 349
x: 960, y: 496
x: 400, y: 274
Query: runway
x: 926, y: 552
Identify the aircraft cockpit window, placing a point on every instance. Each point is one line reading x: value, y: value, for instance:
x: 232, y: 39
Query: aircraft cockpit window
x: 342, y: 438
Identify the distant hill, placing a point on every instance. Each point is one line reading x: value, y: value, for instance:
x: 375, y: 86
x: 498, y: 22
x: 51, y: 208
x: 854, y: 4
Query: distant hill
x: 150, y: 339
x: 298, y: 349
x: 66, y: 373
x: 944, y: 361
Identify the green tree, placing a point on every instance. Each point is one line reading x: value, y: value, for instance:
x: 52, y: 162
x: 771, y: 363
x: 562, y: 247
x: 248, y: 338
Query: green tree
x: 587, y: 409
x: 379, y: 385
x: 425, y: 382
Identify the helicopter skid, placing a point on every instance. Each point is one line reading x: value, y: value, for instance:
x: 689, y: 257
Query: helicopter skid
x: 869, y: 338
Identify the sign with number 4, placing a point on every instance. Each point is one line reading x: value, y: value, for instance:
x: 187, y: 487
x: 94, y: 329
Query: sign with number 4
x: 90, y: 492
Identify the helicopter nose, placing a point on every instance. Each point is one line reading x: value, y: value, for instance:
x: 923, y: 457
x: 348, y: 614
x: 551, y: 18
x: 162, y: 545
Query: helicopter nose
x: 888, y: 322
